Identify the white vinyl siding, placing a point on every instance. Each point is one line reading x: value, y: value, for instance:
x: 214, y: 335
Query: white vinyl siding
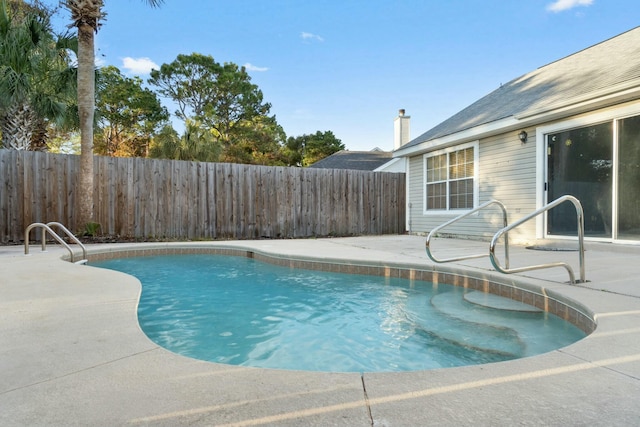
x: 508, y: 174
x: 506, y: 171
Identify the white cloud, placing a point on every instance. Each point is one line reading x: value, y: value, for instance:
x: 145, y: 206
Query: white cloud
x: 251, y: 67
x: 139, y: 66
x: 311, y: 36
x: 562, y: 5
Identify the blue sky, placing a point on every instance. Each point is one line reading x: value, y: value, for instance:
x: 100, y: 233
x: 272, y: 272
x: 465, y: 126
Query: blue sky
x: 348, y: 66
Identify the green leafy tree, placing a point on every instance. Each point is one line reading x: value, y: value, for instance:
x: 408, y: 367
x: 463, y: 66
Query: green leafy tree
x: 307, y: 149
x: 128, y: 115
x: 36, y: 77
x: 258, y: 142
x: 196, y: 144
x: 220, y: 97
x: 86, y: 16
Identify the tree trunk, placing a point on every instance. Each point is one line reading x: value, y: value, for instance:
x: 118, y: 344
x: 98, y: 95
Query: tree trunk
x: 86, y: 104
x: 40, y: 135
x: 17, y: 127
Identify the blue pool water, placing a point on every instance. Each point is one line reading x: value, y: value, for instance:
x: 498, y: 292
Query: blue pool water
x: 240, y: 311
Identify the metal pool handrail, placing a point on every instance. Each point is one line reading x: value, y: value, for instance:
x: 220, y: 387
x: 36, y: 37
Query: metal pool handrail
x: 458, y: 218
x: 580, y: 218
x: 47, y: 228
x: 71, y: 236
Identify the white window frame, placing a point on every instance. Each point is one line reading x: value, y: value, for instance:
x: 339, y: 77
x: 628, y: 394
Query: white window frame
x: 476, y: 155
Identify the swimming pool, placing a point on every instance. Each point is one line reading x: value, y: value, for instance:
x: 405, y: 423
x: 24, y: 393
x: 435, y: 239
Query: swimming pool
x: 242, y: 311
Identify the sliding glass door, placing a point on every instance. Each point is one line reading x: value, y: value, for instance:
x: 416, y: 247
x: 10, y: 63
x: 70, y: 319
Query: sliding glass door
x: 581, y: 162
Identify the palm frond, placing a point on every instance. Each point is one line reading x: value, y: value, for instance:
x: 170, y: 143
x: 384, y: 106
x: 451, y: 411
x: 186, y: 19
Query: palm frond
x: 155, y: 3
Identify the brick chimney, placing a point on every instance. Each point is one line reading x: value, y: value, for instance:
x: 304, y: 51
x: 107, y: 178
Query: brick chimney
x: 401, y: 130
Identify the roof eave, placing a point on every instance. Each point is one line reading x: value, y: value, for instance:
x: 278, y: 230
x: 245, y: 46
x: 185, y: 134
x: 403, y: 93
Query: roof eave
x: 612, y: 95
x: 461, y: 137
x: 605, y: 98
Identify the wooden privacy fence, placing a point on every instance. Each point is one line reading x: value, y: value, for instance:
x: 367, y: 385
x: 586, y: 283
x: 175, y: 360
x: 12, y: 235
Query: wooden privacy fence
x: 150, y: 198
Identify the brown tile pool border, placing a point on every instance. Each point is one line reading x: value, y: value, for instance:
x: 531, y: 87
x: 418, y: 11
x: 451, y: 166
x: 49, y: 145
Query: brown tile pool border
x: 511, y: 287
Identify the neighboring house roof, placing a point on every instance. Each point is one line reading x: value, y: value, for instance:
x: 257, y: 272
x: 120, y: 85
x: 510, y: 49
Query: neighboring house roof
x: 604, y: 74
x: 359, y: 160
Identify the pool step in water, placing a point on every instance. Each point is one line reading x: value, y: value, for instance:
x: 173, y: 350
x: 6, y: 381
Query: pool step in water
x: 474, y: 331
x: 499, y: 303
x: 491, y: 310
x: 458, y: 306
x: 477, y: 331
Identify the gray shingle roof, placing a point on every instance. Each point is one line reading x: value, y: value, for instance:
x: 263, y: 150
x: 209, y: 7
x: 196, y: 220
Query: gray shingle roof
x: 601, y: 69
x: 359, y: 160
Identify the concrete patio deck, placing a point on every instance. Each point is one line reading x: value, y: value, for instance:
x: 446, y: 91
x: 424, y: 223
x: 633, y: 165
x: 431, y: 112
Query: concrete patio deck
x: 72, y: 352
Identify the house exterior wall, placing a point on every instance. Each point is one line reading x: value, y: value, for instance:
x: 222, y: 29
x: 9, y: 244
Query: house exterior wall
x: 506, y: 172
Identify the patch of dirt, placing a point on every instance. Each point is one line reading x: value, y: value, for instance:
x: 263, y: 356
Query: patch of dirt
x: 100, y: 239
x: 120, y: 239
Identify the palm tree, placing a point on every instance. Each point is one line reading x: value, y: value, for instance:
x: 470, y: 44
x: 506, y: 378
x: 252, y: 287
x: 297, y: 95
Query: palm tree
x: 86, y: 16
x: 195, y: 144
x: 36, y: 78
